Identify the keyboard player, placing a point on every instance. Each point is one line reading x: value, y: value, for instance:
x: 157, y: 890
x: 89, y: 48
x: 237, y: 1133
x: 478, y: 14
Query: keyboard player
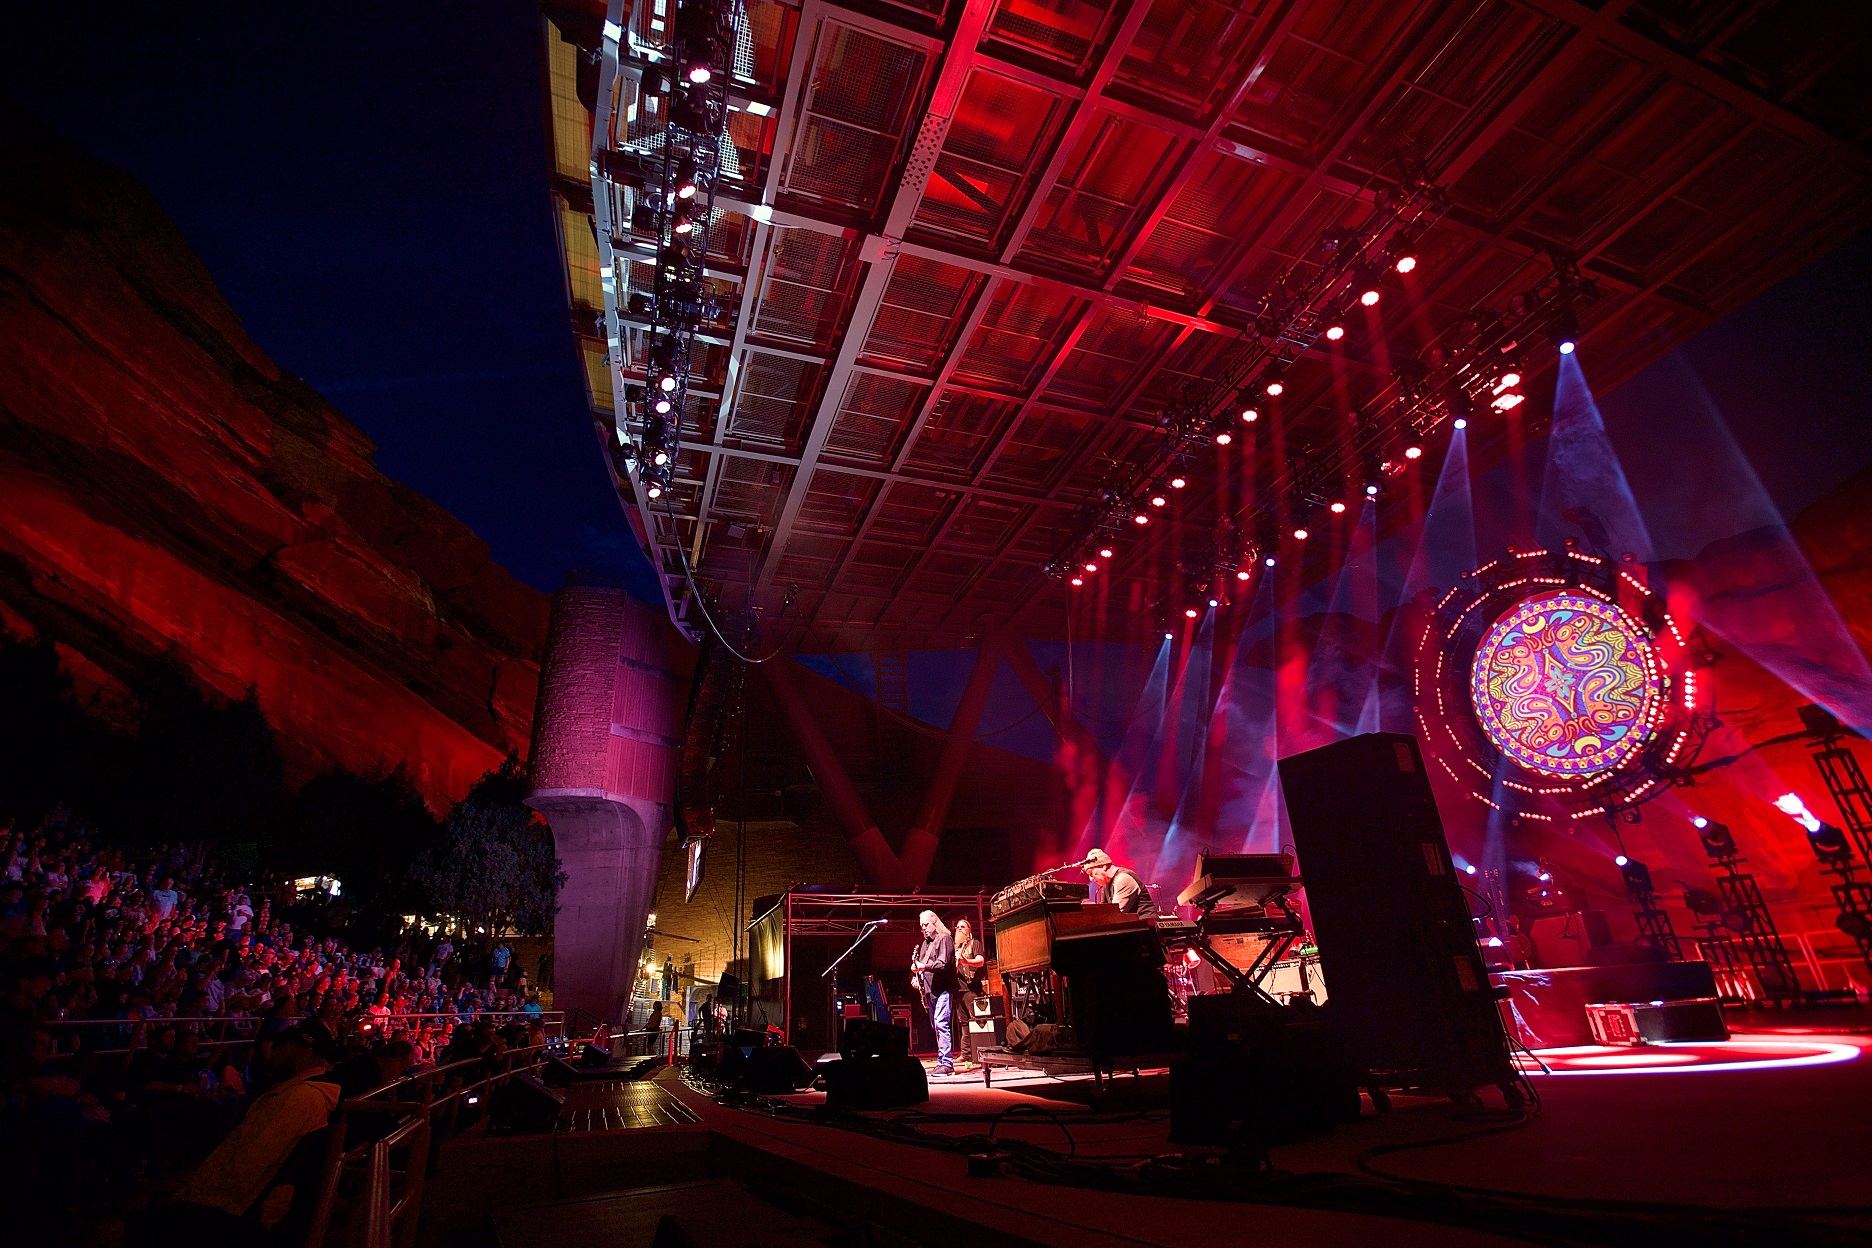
x: 1120, y: 885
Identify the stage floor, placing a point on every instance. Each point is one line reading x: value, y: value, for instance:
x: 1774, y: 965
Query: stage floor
x: 1778, y: 1119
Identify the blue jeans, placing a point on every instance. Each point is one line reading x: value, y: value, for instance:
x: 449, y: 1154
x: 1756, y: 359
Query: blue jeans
x: 939, y: 1019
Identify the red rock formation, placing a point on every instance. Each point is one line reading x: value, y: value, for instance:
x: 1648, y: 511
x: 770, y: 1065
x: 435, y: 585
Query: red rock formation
x: 169, y: 489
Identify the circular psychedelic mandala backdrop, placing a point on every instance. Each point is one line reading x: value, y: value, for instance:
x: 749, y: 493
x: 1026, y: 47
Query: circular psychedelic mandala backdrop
x: 1566, y: 685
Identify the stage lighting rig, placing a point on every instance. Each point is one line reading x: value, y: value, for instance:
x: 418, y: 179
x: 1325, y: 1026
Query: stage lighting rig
x: 1718, y: 842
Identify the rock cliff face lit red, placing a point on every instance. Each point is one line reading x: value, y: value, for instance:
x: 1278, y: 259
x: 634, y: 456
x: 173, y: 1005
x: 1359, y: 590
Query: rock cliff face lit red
x: 169, y: 489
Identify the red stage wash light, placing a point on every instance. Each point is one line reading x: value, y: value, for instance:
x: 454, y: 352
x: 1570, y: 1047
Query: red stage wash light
x: 1300, y: 535
x: 1223, y: 438
x: 1242, y: 575
x: 1091, y: 567
x: 1413, y: 452
x: 1406, y: 264
x: 1140, y: 518
x: 1370, y: 297
x: 1078, y: 580
x: 1158, y: 500
x: 1334, y: 333
x: 1177, y: 483
x: 1190, y: 612
x: 1105, y: 552
x: 1249, y: 416
x: 1275, y: 389
x: 1338, y: 509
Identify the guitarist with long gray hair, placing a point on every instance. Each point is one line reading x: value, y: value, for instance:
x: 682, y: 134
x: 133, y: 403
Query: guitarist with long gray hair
x: 932, y: 968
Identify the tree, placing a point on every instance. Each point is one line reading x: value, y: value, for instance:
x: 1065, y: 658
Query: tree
x: 368, y: 832
x: 494, y: 867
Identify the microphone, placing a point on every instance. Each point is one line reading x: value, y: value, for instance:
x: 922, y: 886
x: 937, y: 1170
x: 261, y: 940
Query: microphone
x: 878, y: 923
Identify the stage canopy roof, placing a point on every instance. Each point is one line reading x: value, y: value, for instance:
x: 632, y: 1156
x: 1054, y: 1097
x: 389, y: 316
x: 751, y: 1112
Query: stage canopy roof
x: 1011, y: 238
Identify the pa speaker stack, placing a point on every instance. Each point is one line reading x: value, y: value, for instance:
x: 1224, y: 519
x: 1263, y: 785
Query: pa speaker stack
x: 1411, y: 997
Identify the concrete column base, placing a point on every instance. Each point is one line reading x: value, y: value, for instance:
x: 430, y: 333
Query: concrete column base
x: 610, y: 851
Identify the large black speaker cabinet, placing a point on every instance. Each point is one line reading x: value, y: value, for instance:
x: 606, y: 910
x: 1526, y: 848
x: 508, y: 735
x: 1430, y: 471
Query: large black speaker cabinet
x: 1120, y: 999
x: 1411, y: 997
x: 524, y: 1105
x: 875, y: 1082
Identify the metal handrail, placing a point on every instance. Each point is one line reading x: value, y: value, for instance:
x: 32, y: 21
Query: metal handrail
x: 383, y: 1212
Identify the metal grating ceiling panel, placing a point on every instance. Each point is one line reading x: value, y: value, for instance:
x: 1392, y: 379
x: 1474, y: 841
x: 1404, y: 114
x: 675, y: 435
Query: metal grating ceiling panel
x: 872, y: 418
x: 914, y: 323
x: 958, y: 434
x: 862, y: 89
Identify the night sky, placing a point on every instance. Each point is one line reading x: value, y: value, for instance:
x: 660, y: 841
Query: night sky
x: 367, y: 183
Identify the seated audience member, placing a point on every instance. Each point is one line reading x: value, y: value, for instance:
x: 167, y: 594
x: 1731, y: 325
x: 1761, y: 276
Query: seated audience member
x: 263, y: 1171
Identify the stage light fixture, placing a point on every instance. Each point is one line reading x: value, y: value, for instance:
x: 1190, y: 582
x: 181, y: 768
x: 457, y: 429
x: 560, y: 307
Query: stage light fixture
x: 1158, y: 500
x: 1334, y: 333
x: 1249, y: 416
x: 1300, y: 535
x: 1508, y: 380
x: 1169, y: 636
x: 1831, y: 847
x: 1269, y: 561
x: 1718, y: 841
x: 1621, y: 860
x: 1371, y: 489
x: 1461, y: 423
x: 1215, y: 602
x: 699, y: 73
x: 1508, y: 402
x: 666, y: 384
x: 1242, y: 575
x: 1275, y: 389
x: 660, y: 458
x: 1224, y: 438
x: 1177, y: 483
x: 664, y: 407
x: 1091, y: 567
x: 686, y: 179
x: 1105, y: 552
x: 1140, y: 518
x: 1564, y: 328
x: 654, y: 491
x: 1413, y: 452
x: 1338, y: 509
x: 1078, y: 580
x: 763, y: 213
x: 1637, y: 875
x: 1469, y: 869
x: 1189, y: 613
x: 1406, y: 263
x: 1370, y: 297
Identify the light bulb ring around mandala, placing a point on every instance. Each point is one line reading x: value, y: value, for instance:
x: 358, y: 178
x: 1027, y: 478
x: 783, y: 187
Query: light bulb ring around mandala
x: 1567, y: 685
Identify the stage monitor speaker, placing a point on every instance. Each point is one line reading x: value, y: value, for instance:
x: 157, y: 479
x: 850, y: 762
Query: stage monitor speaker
x: 875, y: 1083
x: 985, y: 1006
x: 990, y: 1032
x: 1411, y: 997
x: 763, y: 1068
x: 524, y: 1106
x: 864, y: 1037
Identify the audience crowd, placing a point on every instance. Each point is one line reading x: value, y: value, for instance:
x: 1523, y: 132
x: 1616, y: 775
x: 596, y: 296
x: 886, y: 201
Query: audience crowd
x: 151, y: 1009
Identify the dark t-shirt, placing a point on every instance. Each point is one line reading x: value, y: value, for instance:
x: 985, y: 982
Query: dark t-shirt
x: 1130, y: 895
x: 937, y: 954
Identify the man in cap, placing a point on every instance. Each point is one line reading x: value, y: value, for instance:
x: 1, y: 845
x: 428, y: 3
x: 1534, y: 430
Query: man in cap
x: 1120, y: 885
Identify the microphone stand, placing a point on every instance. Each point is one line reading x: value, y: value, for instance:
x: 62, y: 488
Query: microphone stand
x: 863, y: 936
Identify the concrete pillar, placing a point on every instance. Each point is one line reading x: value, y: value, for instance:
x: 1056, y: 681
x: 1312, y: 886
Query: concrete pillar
x: 605, y: 743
